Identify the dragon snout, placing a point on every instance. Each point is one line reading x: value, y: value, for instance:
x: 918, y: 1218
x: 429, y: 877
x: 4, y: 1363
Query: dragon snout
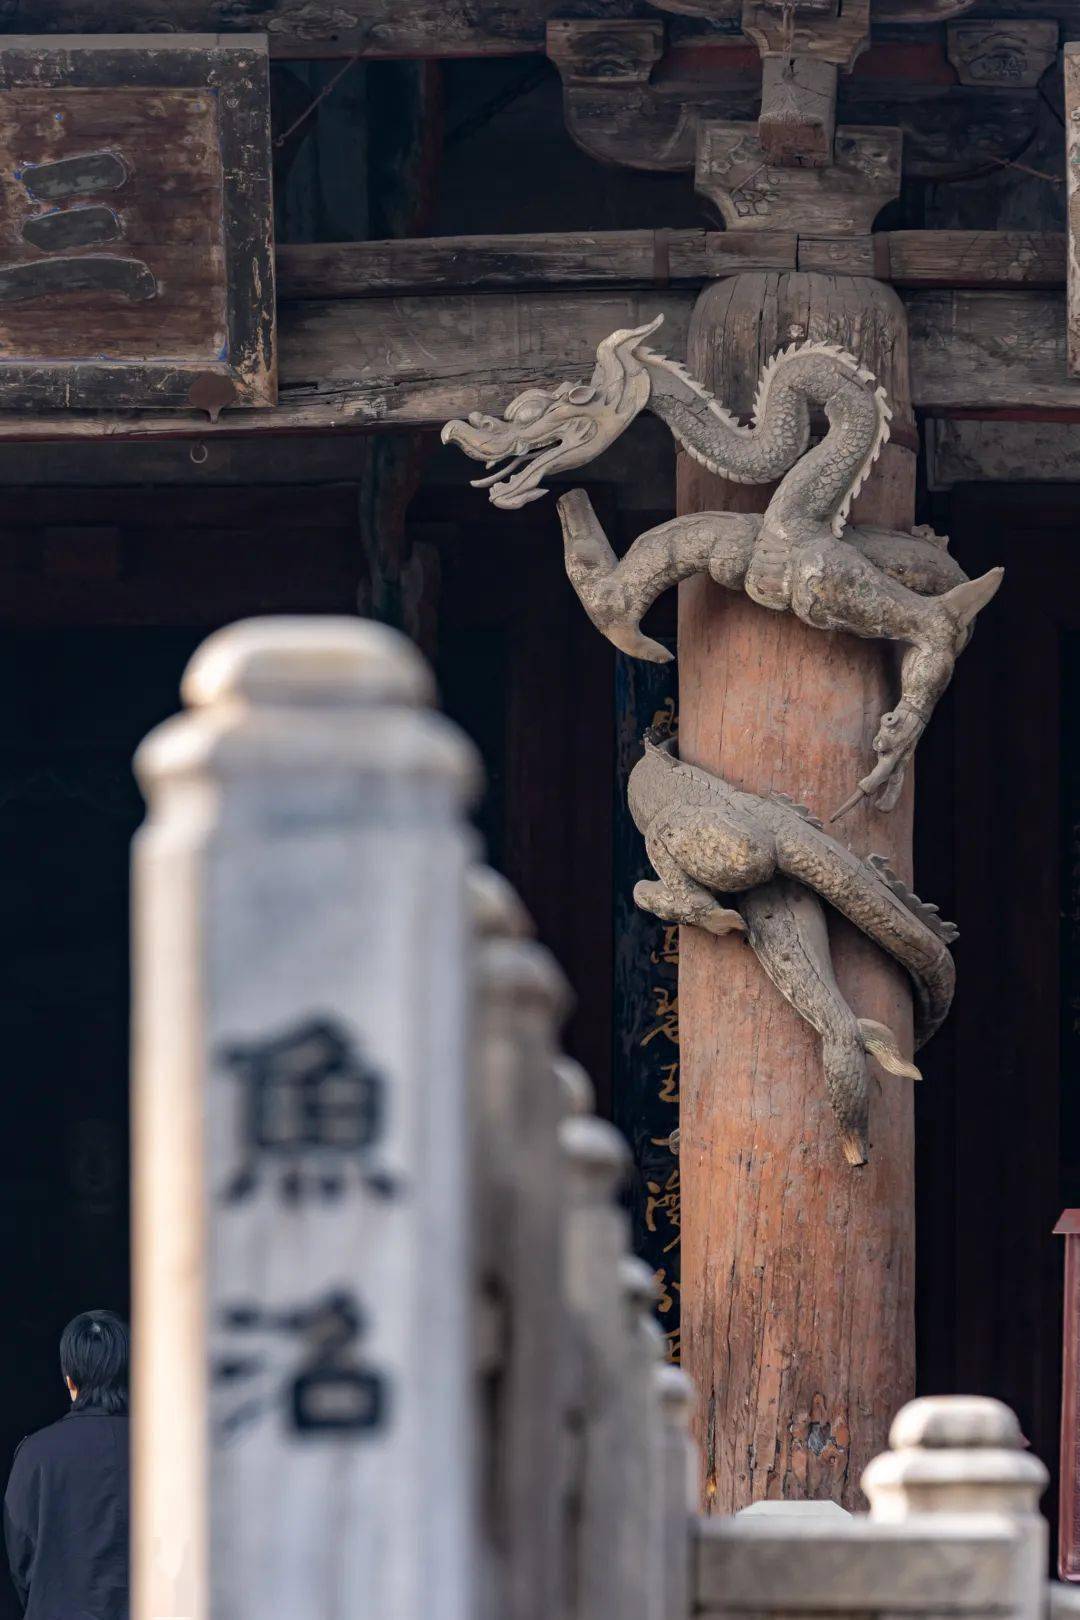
x: 479, y: 437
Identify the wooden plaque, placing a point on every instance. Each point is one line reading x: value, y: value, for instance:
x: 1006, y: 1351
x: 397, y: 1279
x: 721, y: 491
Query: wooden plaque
x: 136, y: 230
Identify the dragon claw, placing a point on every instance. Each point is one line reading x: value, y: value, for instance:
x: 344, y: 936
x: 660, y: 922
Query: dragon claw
x: 894, y: 745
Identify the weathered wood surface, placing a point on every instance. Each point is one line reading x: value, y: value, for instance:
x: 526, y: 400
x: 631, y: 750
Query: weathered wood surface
x: 1007, y: 53
x: 428, y: 28
x: 136, y: 265
x: 797, y: 1270
x: 301, y: 1137
x: 962, y: 451
x: 309, y: 28
x: 651, y: 258
x: 989, y: 351
x: 733, y: 171
x: 947, y: 259
x: 406, y: 362
x: 438, y: 264
x: 1072, y: 171
x: 635, y: 97
x: 367, y: 364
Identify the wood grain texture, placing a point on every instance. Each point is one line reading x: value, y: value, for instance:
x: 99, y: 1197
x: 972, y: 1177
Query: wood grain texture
x: 308, y: 29
x: 336, y: 28
x: 961, y: 451
x: 1072, y: 172
x: 551, y: 259
x: 798, y: 1323
x: 989, y: 350
x: 135, y: 228
x: 372, y: 363
x: 169, y: 204
x: 557, y: 259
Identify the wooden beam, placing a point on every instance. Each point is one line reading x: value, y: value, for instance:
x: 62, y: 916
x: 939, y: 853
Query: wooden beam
x: 989, y: 351
x: 309, y: 29
x: 942, y: 258
x: 377, y: 363
x: 960, y: 451
x: 374, y: 363
x: 437, y: 265
x: 563, y: 259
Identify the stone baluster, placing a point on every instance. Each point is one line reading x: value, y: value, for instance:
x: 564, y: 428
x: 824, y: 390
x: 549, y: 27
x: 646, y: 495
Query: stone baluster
x: 304, y: 1398
x: 678, y: 1473
x: 642, y: 1507
x: 517, y: 1167
x: 596, y: 1240
x: 962, y: 1455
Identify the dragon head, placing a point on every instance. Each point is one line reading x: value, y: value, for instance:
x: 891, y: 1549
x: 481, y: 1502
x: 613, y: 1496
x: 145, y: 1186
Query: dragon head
x: 544, y: 432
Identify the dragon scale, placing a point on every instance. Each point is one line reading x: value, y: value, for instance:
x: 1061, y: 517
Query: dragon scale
x: 773, y: 860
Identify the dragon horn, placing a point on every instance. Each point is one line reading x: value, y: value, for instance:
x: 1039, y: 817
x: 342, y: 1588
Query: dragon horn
x: 618, y: 365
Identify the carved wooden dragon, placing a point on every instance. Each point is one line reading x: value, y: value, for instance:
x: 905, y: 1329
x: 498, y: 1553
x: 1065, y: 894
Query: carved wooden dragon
x: 798, y: 556
x: 772, y: 857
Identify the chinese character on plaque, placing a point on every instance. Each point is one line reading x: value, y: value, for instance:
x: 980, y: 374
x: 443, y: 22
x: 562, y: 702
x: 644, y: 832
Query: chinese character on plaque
x: 136, y: 241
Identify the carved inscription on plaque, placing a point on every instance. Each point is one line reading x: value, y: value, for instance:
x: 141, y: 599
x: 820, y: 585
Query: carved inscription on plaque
x: 135, y: 260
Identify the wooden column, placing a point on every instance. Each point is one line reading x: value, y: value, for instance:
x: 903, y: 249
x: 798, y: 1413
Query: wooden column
x: 798, y: 1278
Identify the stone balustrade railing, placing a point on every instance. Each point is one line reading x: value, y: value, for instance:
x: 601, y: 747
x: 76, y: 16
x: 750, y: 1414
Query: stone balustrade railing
x: 394, y: 1356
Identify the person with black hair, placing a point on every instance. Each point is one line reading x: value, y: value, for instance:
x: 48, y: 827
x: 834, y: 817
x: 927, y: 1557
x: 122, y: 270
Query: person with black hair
x: 66, y: 1507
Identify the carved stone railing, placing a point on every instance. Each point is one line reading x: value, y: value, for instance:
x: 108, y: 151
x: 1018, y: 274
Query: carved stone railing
x: 394, y: 1356
x: 409, y: 1365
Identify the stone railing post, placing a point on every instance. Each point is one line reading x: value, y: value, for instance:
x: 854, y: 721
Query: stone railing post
x: 596, y: 1240
x: 521, y: 998
x: 679, y: 1474
x: 964, y: 1454
x: 304, y: 1393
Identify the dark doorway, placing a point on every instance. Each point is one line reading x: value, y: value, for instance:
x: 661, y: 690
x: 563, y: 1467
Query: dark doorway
x: 74, y: 705
x: 998, y: 845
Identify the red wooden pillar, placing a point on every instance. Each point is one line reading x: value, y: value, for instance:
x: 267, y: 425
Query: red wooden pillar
x: 1068, y: 1227
x: 798, y: 1270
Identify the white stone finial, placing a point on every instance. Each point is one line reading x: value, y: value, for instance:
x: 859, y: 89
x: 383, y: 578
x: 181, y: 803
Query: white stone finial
x: 597, y: 1152
x: 498, y: 911
x: 955, y: 1454
x: 306, y: 696
x: 937, y: 1421
x: 576, y: 1089
x: 677, y: 1397
x: 311, y: 660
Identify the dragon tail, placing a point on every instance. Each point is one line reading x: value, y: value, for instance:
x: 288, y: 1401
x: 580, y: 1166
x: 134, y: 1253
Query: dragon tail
x: 785, y: 925
x: 883, y: 908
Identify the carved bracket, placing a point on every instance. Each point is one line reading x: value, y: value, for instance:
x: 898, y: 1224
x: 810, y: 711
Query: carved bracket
x: 734, y: 172
x: 1011, y: 55
x: 803, y: 47
x: 628, y: 100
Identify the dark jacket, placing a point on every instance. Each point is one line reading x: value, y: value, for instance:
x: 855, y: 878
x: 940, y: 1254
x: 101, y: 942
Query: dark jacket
x: 66, y: 1519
